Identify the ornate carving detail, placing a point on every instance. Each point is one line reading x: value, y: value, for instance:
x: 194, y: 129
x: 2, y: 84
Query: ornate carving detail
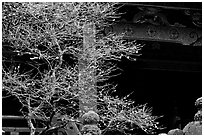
x: 198, y: 42
x: 197, y: 39
x: 150, y: 15
x: 184, y: 36
x: 153, y: 16
x: 151, y: 31
x: 193, y: 35
x: 173, y: 34
x: 196, y: 17
x: 128, y: 30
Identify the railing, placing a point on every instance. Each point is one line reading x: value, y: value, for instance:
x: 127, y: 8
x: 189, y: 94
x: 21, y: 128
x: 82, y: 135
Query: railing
x: 16, y: 130
x: 71, y: 128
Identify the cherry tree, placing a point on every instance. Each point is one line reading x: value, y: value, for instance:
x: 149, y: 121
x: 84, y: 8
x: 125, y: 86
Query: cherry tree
x: 48, y: 33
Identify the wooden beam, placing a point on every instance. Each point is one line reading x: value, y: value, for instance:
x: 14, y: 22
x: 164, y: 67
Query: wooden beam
x: 10, y: 117
x: 19, y: 129
x: 182, y: 35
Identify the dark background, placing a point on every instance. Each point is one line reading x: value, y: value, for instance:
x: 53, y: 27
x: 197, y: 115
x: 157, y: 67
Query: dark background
x: 168, y: 79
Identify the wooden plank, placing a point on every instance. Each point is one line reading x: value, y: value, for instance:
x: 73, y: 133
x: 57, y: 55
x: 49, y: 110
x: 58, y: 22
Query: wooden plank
x: 9, y: 117
x: 20, y: 129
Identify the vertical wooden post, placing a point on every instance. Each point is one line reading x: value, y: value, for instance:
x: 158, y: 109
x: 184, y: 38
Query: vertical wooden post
x: 87, y: 79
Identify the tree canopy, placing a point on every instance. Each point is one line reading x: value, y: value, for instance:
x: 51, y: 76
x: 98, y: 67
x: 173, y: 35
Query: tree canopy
x: 47, y: 31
